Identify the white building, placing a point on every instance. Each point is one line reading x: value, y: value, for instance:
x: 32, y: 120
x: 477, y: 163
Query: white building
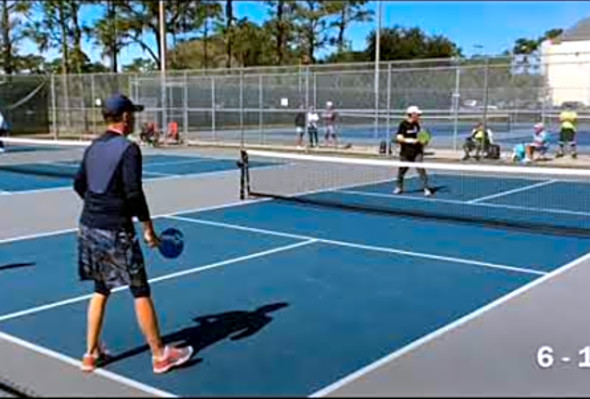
x: 566, y: 64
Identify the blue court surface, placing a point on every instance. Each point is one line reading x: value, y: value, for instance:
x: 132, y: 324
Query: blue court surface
x: 43, y: 176
x: 285, y: 299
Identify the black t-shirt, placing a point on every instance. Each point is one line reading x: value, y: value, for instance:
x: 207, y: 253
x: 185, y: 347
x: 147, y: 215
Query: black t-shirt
x: 409, y: 130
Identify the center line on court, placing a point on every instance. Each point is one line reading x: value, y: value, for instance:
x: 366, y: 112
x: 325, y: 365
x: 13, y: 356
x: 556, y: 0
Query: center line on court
x: 364, y: 247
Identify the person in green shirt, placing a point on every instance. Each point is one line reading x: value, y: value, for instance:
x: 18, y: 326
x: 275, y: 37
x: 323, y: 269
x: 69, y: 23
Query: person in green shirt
x: 567, y: 134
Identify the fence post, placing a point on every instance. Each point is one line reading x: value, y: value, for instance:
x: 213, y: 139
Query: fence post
x: 307, y: 101
x: 185, y: 104
x: 315, y: 88
x: 213, y: 108
x: 486, y: 89
x: 242, y: 107
x: 93, y: 107
x: 456, y: 99
x: 260, y: 106
x: 54, y: 107
x: 388, y: 134
x: 164, y: 99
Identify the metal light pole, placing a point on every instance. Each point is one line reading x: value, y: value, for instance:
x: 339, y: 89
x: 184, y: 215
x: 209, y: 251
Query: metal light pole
x: 164, y: 89
x: 377, y: 61
x: 485, y: 88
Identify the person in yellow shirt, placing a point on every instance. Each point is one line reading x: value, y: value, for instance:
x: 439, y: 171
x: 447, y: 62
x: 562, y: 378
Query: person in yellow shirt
x: 567, y: 134
x: 479, y: 140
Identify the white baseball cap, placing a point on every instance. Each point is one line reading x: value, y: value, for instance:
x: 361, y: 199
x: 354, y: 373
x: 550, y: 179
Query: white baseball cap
x: 539, y: 126
x: 329, y: 104
x: 413, y: 109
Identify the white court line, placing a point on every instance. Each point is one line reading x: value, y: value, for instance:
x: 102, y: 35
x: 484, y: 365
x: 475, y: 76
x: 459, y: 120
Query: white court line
x: 160, y: 216
x: 361, y: 246
x: 65, y: 165
x: 437, y: 333
x: 457, y: 202
x: 76, y: 363
x: 165, y: 177
x: 147, y: 164
x: 146, y: 172
x: 165, y: 277
x: 509, y: 192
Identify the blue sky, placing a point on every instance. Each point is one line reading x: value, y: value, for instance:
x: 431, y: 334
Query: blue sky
x: 494, y: 25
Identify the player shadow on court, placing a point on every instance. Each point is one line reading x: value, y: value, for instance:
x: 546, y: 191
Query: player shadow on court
x: 16, y: 266
x: 211, y: 329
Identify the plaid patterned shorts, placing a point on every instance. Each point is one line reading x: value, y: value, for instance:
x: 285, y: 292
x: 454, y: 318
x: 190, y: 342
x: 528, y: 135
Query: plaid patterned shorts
x: 111, y: 258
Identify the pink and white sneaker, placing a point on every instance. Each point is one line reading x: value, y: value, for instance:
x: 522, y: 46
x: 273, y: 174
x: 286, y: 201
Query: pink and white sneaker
x: 173, y: 357
x: 90, y: 362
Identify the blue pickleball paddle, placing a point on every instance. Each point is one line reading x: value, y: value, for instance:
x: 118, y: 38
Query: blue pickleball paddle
x: 171, y: 243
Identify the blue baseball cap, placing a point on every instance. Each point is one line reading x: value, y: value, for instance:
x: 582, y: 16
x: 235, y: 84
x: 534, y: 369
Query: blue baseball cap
x: 119, y: 103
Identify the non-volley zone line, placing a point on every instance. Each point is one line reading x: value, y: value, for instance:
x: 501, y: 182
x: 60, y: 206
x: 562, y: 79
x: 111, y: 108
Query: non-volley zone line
x: 458, y: 202
x: 364, y: 247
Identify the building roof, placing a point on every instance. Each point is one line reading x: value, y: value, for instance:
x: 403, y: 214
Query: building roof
x: 580, y: 31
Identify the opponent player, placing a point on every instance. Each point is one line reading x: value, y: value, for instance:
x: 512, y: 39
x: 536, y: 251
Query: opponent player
x: 312, y: 126
x: 411, y: 150
x: 567, y: 133
x: 300, y: 125
x: 330, y: 116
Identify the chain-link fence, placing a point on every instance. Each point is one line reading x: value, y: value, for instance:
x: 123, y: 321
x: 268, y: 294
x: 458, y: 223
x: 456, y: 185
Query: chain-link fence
x: 259, y: 105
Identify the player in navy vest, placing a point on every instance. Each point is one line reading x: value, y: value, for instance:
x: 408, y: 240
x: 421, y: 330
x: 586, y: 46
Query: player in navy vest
x: 110, y: 183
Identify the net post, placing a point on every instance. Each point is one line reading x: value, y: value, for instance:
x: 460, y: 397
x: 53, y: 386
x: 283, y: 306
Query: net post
x: 243, y: 164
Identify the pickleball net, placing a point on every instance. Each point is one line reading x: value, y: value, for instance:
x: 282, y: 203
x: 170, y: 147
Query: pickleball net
x: 41, y: 157
x: 527, y: 198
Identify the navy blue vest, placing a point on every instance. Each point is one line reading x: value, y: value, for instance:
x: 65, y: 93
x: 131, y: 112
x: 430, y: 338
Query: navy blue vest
x: 102, y: 160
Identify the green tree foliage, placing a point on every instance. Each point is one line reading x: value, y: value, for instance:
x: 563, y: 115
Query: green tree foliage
x: 281, y: 27
x: 196, y: 53
x: 51, y: 30
x: 399, y: 43
x: 313, y: 27
x: 140, y: 65
x: 348, y: 12
x: 252, y: 45
x: 12, y: 32
x: 208, y: 12
x: 109, y: 32
x: 225, y: 28
x: 140, y: 19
